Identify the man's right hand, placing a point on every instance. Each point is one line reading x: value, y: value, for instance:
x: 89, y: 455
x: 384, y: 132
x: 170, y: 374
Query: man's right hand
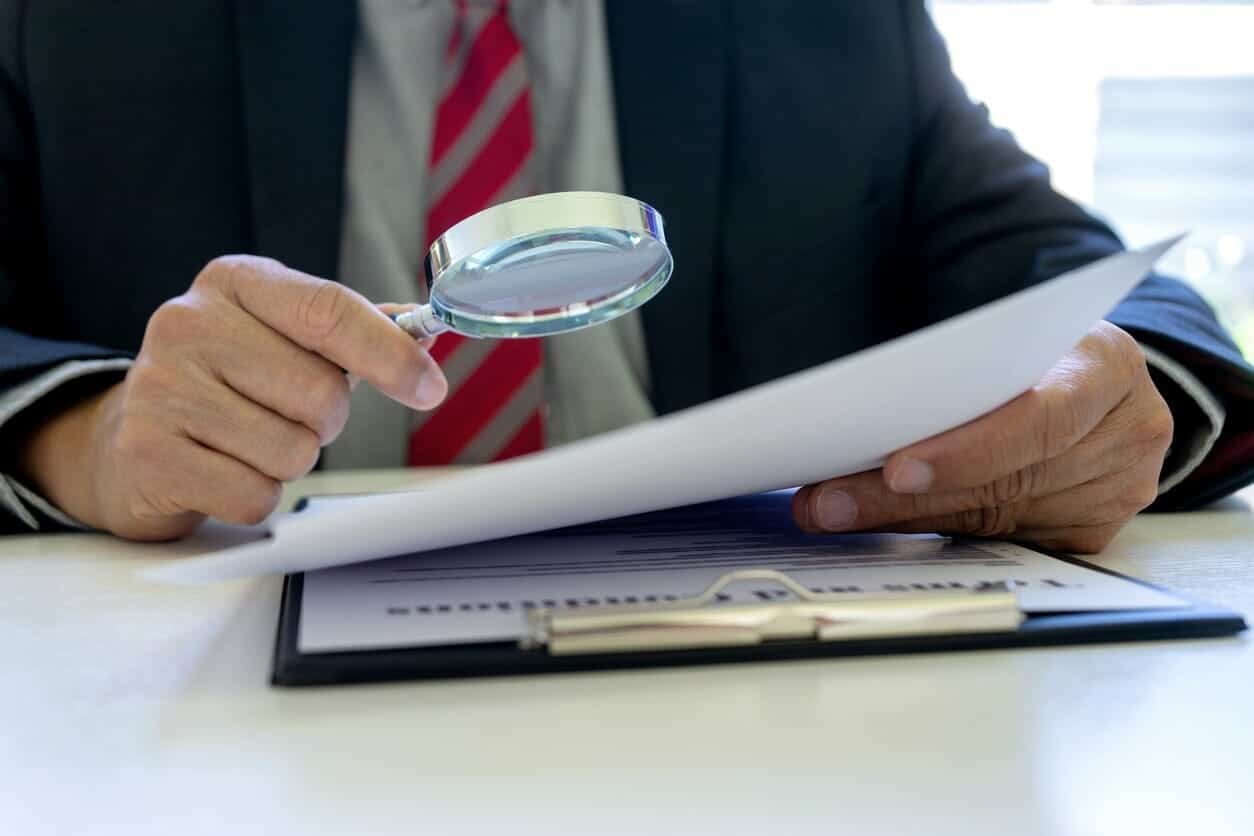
x: 238, y: 385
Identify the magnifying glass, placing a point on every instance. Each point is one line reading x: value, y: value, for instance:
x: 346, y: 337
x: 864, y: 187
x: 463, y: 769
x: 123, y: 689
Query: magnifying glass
x: 542, y: 265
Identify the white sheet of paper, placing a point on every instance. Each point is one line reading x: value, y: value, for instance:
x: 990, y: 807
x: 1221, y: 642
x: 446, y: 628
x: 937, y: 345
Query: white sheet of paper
x: 842, y: 417
x: 481, y: 592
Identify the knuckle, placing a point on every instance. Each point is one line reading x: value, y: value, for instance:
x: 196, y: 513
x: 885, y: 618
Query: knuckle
x: 1118, y: 509
x: 222, y: 271
x: 327, y: 399
x: 1157, y: 429
x: 1118, y: 350
x: 222, y: 265
x: 174, y: 321
x: 992, y: 522
x: 145, y: 376
x: 988, y: 521
x: 322, y: 310
x: 333, y: 424
x: 219, y: 272
x: 1091, y: 540
x: 144, y: 502
x: 1087, y: 544
x: 299, y: 455
x: 327, y: 390
x: 1130, y: 498
x: 138, y: 507
x: 1123, y: 456
x: 1118, y: 342
x: 252, y: 506
x: 1139, y: 497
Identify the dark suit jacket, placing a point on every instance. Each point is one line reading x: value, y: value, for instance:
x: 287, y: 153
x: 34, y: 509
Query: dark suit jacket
x: 826, y: 183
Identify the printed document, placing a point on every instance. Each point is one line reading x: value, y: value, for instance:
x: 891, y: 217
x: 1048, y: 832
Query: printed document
x: 482, y: 592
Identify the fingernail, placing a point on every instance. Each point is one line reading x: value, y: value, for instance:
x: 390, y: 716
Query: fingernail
x: 431, y: 390
x: 911, y: 476
x: 836, y: 510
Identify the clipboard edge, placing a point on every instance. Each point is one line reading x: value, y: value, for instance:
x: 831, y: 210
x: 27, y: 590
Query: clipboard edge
x: 292, y: 668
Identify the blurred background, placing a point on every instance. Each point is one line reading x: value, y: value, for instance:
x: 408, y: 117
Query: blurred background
x: 1144, y: 111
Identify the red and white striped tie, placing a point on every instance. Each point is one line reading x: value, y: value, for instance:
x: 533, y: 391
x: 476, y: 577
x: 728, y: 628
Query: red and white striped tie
x: 481, y: 155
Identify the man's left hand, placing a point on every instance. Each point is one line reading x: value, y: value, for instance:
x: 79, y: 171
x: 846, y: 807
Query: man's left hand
x: 1065, y: 465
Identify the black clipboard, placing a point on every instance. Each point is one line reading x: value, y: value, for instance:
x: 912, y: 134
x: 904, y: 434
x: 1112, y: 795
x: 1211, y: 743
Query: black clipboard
x: 292, y: 667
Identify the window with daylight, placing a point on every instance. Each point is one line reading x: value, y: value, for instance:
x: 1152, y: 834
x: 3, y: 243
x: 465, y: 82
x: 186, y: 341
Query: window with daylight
x: 1144, y: 111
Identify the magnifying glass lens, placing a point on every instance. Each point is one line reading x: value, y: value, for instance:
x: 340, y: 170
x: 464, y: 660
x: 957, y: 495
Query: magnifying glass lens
x: 551, y: 281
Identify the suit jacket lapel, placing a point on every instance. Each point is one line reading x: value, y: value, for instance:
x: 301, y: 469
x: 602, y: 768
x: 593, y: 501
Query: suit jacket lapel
x: 295, y: 59
x: 670, y: 68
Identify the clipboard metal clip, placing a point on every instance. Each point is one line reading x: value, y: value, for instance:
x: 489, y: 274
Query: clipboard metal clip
x: 700, y: 622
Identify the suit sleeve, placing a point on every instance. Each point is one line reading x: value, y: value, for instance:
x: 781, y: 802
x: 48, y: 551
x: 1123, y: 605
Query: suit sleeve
x: 25, y: 356
x: 983, y: 221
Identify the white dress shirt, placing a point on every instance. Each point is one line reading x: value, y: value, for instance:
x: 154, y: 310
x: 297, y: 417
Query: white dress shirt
x: 596, y: 379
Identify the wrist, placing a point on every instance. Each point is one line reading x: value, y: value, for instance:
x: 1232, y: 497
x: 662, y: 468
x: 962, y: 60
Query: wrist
x: 57, y: 458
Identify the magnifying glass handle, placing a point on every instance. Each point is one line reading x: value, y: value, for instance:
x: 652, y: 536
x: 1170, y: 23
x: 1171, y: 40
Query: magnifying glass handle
x: 421, y: 322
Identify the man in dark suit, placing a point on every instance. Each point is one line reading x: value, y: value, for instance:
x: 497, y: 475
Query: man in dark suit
x: 826, y: 182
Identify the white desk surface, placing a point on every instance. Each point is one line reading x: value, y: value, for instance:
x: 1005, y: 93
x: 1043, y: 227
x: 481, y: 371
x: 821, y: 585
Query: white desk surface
x: 132, y: 708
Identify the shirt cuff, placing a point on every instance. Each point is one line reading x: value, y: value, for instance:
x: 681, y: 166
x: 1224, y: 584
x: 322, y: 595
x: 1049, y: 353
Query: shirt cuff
x: 15, y: 497
x: 1187, y: 452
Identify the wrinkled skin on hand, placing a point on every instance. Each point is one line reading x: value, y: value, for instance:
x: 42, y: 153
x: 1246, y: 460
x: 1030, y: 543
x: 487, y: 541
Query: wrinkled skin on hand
x: 1065, y: 465
x: 238, y: 385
